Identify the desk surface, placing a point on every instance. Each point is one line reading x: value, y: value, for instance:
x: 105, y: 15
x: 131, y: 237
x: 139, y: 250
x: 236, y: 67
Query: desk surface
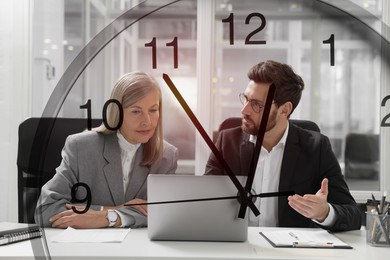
x: 138, y: 246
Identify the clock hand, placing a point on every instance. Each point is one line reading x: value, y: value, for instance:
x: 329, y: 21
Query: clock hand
x: 181, y: 201
x: 259, y: 142
x: 245, y: 196
x: 260, y: 195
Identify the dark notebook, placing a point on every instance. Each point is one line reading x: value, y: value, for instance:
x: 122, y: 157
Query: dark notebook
x: 15, y: 232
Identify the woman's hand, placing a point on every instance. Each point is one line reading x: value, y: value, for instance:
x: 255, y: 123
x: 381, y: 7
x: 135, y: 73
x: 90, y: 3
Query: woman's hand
x: 89, y: 219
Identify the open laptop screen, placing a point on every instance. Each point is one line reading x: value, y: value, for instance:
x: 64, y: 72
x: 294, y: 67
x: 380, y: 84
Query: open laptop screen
x: 215, y: 220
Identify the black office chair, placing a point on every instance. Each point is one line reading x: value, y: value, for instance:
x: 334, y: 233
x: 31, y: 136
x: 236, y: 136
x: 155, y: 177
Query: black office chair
x: 237, y: 121
x: 361, y: 156
x: 39, y: 154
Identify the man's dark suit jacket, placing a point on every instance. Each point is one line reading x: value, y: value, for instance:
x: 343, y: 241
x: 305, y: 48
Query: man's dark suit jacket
x: 307, y: 160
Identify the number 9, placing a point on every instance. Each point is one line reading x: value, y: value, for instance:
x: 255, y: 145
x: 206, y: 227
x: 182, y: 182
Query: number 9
x: 87, y: 198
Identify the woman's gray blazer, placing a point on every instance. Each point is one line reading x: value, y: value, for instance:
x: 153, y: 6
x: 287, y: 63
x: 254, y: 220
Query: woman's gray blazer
x: 94, y: 159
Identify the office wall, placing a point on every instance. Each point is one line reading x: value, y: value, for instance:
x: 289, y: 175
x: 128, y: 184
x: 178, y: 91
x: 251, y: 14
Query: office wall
x: 5, y: 99
x: 14, y: 96
x: 47, y: 29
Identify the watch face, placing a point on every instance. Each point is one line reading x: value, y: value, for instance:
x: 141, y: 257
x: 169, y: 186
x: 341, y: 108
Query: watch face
x: 112, y: 216
x: 205, y: 49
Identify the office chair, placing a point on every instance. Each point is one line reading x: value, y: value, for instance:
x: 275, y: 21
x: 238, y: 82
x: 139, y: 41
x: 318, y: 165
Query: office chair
x: 236, y: 121
x: 39, y: 154
x: 361, y: 156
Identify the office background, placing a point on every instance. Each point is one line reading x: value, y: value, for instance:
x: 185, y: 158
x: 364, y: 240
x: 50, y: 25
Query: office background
x: 39, y: 39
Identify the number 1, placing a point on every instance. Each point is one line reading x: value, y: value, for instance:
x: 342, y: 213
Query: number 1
x: 231, y: 27
x: 154, y: 52
x: 174, y: 45
x: 89, y: 117
x: 331, y: 42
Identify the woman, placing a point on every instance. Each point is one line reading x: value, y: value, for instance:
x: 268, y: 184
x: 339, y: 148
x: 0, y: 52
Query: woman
x: 114, y: 164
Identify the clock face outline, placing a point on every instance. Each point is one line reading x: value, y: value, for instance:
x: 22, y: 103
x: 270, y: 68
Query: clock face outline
x: 52, y: 110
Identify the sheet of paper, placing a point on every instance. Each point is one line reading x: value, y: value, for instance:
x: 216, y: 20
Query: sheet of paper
x: 288, y: 237
x: 107, y: 235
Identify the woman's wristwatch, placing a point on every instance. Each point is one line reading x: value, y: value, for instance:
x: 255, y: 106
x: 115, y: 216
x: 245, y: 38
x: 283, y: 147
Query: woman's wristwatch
x: 111, y: 217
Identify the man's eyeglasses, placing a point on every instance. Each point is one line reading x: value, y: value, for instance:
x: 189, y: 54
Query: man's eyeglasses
x: 255, y: 104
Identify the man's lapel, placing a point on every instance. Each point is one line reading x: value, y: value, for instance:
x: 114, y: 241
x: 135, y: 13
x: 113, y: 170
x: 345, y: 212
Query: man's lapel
x: 246, y: 151
x: 291, y: 152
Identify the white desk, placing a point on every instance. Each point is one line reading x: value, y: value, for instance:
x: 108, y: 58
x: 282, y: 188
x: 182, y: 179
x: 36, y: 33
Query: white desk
x: 138, y: 246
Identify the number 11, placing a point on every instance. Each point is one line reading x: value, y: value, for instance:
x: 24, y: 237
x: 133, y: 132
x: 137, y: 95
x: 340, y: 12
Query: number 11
x: 173, y: 44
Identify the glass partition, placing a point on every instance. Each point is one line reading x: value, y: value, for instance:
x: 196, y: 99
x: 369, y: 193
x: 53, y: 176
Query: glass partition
x: 343, y: 98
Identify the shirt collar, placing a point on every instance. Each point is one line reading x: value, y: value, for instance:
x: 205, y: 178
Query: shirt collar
x: 282, y: 141
x: 124, y: 144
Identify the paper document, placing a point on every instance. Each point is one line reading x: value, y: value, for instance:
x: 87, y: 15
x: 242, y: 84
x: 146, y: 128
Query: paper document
x: 303, y: 238
x: 107, y: 235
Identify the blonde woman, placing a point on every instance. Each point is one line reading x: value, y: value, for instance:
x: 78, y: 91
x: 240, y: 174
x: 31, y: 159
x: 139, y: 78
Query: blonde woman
x: 114, y: 164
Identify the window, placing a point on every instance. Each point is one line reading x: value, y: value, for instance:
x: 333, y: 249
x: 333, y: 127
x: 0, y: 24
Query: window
x: 341, y: 99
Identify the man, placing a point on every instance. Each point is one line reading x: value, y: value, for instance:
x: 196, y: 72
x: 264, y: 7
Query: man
x: 291, y: 158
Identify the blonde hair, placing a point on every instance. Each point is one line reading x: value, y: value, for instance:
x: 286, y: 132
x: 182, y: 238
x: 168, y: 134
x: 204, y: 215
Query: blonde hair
x: 129, y: 89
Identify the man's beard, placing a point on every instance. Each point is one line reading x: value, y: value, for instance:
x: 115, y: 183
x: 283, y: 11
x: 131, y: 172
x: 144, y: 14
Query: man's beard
x: 254, y: 129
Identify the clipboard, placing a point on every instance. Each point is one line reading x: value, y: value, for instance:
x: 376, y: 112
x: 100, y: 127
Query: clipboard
x: 298, y: 238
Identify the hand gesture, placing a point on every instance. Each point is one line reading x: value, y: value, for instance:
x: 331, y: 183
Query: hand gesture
x: 312, y: 206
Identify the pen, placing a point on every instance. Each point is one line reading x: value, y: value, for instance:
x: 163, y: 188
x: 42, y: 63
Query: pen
x: 375, y: 203
x: 374, y: 225
x: 312, y: 244
x: 381, y: 229
x: 293, y: 235
x: 382, y: 204
x: 386, y: 224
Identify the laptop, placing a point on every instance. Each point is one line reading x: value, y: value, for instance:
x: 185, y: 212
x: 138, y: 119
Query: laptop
x: 214, y: 220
